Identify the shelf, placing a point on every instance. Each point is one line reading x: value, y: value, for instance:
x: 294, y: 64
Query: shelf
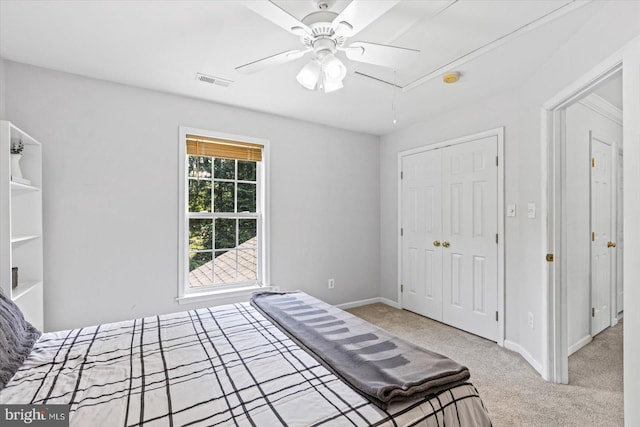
x: 21, y: 224
x: 16, y: 132
x: 18, y: 187
x: 21, y: 239
x: 23, y: 288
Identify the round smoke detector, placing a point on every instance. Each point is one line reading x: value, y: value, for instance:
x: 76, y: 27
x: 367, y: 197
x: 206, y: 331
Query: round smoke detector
x: 451, y: 77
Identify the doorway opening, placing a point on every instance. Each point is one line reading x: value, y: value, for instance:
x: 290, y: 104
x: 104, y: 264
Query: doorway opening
x: 592, y: 186
x: 584, y: 130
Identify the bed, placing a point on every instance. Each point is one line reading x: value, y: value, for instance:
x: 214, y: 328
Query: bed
x: 218, y: 366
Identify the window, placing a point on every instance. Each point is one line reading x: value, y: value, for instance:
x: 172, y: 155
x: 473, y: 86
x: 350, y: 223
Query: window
x: 223, y: 215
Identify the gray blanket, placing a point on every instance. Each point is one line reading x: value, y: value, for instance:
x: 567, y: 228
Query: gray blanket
x: 378, y: 365
x: 17, y: 337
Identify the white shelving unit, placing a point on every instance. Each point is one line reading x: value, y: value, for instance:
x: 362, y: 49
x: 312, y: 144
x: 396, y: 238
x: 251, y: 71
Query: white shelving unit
x: 21, y: 224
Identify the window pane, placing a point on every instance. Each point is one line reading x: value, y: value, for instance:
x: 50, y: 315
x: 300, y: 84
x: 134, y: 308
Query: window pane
x: 199, y: 195
x: 247, y: 265
x: 247, y: 232
x: 200, y: 166
x: 225, y: 233
x: 200, y: 234
x: 200, y: 273
x: 224, y: 168
x: 246, y: 171
x: 246, y: 197
x: 224, y: 268
x: 223, y: 247
x: 223, y: 197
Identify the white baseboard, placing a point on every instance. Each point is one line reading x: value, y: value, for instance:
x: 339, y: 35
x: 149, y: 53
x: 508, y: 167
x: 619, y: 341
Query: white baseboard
x: 616, y: 319
x: 390, y: 303
x: 510, y: 345
x: 579, y: 344
x: 354, y: 304
x: 359, y: 303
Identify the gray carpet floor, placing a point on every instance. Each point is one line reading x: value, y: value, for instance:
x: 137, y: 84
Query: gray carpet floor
x: 514, y: 393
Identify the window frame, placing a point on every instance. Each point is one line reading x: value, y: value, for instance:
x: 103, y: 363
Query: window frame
x: 238, y: 289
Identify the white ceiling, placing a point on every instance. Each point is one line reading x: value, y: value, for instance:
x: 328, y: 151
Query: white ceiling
x: 161, y: 45
x: 611, y: 90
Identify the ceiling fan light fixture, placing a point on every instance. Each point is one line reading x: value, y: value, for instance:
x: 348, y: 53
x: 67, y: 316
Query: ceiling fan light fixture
x: 331, y: 86
x: 310, y: 74
x: 324, y: 32
x: 333, y: 69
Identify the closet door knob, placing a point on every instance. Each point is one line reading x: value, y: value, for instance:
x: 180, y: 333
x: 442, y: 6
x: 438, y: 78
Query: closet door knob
x: 611, y: 244
x: 446, y: 244
x: 436, y: 243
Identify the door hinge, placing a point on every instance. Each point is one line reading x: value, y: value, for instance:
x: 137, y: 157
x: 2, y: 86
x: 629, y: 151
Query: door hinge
x: 401, y: 231
x: 401, y: 175
x: 496, y: 160
x: 593, y: 162
x: 496, y: 237
x: 549, y: 257
x: 401, y: 288
x: 593, y: 312
x: 593, y: 236
x: 496, y: 316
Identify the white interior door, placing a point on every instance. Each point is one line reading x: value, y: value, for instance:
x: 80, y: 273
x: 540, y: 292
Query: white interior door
x: 422, y: 225
x: 620, y: 241
x: 470, y: 224
x: 602, y: 249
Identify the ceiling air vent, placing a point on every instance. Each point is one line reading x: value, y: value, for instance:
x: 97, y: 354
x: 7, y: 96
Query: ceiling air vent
x: 213, y: 80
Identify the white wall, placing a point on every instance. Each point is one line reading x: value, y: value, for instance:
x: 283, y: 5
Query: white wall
x: 111, y: 204
x: 519, y: 111
x: 2, y: 91
x: 579, y: 121
x: 631, y: 171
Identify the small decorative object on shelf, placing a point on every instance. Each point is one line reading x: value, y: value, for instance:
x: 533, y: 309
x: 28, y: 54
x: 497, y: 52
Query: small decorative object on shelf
x: 14, y: 277
x: 16, y: 155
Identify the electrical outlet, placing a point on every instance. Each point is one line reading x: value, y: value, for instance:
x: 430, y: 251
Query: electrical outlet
x: 332, y: 283
x: 531, y: 320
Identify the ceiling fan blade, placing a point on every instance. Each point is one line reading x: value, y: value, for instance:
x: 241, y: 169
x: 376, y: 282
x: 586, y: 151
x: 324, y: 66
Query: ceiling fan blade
x: 381, y: 54
x: 270, y: 61
x: 360, y: 13
x: 278, y: 16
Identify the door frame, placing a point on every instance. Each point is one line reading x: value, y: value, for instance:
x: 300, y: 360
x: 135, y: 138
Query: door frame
x: 499, y: 134
x: 619, y: 227
x: 555, y: 351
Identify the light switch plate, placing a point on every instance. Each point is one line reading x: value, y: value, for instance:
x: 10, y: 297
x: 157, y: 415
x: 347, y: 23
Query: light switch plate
x: 511, y: 210
x: 531, y: 210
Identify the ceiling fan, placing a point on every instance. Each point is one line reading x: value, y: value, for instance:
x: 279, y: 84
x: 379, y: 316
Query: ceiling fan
x: 324, y: 33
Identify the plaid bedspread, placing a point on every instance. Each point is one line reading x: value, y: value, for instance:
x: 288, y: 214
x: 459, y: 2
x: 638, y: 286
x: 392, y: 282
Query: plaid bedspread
x: 222, y: 366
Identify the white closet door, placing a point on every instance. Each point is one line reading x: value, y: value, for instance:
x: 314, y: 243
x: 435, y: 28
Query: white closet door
x: 422, y: 225
x: 602, y: 251
x: 469, y: 215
